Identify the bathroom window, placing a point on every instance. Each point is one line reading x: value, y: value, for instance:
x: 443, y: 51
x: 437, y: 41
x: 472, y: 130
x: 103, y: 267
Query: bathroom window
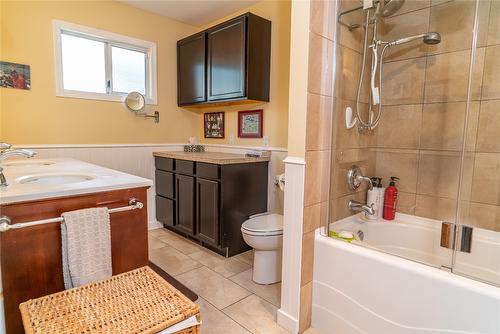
x: 95, y: 64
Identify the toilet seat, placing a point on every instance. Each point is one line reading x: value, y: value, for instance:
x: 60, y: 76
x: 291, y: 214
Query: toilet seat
x: 264, y: 225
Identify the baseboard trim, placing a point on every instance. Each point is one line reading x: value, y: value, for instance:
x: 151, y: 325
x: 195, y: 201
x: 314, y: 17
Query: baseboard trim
x: 154, y: 224
x: 288, y: 322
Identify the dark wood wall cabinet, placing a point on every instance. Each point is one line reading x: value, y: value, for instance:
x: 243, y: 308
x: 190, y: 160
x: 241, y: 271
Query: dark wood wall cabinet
x: 208, y: 202
x: 227, y: 63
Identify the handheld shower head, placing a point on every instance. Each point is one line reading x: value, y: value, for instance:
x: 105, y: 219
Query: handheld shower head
x: 432, y: 38
x: 428, y: 38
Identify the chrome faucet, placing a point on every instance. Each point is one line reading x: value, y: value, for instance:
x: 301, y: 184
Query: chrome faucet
x: 5, y: 152
x: 358, y: 207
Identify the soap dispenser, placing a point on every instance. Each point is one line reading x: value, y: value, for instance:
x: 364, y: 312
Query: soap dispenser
x: 381, y: 195
x: 390, y: 199
x: 372, y: 199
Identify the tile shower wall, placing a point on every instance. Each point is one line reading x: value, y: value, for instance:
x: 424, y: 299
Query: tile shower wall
x: 320, y: 101
x: 424, y: 101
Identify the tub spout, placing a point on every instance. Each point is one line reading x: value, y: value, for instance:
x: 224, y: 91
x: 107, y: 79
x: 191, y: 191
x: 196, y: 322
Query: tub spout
x: 358, y: 207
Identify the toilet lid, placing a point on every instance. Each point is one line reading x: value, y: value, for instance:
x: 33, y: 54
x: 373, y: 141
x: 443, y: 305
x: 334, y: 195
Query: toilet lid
x: 265, y: 223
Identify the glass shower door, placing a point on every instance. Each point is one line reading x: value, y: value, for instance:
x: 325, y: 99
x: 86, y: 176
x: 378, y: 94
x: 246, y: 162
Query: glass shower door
x: 477, y: 246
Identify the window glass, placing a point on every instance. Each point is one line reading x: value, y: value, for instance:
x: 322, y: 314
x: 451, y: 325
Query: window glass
x: 128, y: 70
x: 83, y: 64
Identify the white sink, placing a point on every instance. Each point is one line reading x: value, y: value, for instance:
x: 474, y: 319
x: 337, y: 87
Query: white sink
x: 54, y: 178
x: 28, y: 162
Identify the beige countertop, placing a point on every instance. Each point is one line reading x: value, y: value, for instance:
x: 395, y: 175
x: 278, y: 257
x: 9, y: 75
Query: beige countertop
x: 218, y: 158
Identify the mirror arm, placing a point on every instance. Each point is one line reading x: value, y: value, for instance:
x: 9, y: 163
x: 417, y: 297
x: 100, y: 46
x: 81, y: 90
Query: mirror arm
x: 156, y: 116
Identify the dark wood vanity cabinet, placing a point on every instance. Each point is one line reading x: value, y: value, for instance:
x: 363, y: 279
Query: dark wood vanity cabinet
x: 31, y: 258
x: 208, y: 202
x: 236, y: 62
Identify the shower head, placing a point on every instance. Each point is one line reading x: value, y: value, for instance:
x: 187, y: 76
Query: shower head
x: 432, y: 38
x: 389, y: 7
x: 428, y: 38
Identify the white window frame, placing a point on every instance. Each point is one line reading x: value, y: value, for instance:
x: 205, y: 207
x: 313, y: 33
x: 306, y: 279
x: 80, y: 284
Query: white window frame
x: 111, y: 39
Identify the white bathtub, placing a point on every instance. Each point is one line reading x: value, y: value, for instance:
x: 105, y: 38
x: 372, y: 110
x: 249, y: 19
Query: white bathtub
x: 362, y: 290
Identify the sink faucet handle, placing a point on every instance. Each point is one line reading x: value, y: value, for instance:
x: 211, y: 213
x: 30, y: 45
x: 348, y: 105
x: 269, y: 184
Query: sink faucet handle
x: 5, y: 146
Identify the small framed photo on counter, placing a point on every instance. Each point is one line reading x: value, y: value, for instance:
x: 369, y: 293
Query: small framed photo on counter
x: 214, y: 125
x: 250, y: 123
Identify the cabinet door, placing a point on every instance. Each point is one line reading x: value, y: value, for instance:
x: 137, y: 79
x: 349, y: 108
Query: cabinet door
x: 185, y: 203
x: 165, y: 210
x: 191, y: 70
x: 226, y: 59
x: 207, y: 211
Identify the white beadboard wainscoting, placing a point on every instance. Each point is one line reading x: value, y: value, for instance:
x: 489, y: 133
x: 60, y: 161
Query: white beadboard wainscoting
x: 137, y: 159
x: 288, y: 314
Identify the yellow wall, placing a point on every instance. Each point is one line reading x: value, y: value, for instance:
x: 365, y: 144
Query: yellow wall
x: 37, y: 116
x: 276, y: 111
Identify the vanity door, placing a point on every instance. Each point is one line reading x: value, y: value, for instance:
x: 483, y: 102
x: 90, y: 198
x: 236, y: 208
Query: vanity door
x: 185, y: 190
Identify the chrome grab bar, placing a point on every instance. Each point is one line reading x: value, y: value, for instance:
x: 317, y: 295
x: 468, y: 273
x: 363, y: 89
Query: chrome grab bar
x: 5, y: 222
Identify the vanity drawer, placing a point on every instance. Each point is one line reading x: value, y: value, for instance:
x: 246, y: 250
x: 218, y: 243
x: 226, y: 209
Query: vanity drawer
x: 164, y: 163
x: 165, y: 210
x: 184, y: 167
x: 208, y: 171
x: 164, y: 182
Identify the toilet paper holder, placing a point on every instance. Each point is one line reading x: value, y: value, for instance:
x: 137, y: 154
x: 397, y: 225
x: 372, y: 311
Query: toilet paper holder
x: 279, y: 179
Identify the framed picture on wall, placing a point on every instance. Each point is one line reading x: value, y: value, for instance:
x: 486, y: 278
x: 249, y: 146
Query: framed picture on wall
x: 14, y: 75
x: 250, y: 124
x: 214, y: 124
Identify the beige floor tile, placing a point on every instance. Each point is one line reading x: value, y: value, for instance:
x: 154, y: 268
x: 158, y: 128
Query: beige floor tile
x: 172, y: 261
x: 270, y: 292
x: 225, y: 266
x: 246, y: 257
x: 311, y: 331
x: 216, y: 289
x: 158, y: 232
x: 216, y: 322
x: 180, y: 243
x: 255, y: 314
x: 155, y: 243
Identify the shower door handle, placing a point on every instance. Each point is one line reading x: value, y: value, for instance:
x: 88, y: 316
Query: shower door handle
x: 448, y: 231
x: 448, y: 236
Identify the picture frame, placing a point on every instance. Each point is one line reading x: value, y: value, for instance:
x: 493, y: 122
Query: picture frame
x: 250, y: 123
x: 213, y: 125
x: 16, y: 76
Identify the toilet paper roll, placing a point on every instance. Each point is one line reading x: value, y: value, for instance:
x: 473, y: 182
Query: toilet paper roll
x: 281, y: 181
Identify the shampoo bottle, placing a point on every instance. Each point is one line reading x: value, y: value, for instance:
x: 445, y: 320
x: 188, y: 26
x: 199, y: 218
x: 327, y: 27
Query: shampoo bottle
x: 390, y: 199
x: 381, y: 195
x: 372, y: 198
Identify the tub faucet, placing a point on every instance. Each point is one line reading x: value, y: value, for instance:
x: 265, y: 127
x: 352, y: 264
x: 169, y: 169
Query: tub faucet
x: 5, y: 152
x: 358, y: 207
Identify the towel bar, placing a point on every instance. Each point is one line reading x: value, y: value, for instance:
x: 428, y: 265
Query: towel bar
x: 5, y: 222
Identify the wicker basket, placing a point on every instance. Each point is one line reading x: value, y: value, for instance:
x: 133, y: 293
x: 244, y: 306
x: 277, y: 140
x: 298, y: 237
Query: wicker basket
x: 138, y: 301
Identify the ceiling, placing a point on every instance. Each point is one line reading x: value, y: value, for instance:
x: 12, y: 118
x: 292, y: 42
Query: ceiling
x: 197, y: 13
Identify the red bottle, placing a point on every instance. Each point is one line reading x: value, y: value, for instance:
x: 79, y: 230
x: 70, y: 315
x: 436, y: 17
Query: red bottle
x: 390, y: 199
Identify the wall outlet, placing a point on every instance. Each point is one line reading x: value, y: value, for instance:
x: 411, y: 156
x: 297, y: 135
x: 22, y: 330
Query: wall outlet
x: 231, y: 139
x: 266, y: 140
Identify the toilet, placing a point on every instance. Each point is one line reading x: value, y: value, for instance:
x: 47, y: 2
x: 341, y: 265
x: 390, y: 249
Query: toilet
x: 264, y: 233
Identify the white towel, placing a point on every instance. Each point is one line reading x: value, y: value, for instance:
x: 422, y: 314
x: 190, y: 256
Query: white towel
x: 86, y: 246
